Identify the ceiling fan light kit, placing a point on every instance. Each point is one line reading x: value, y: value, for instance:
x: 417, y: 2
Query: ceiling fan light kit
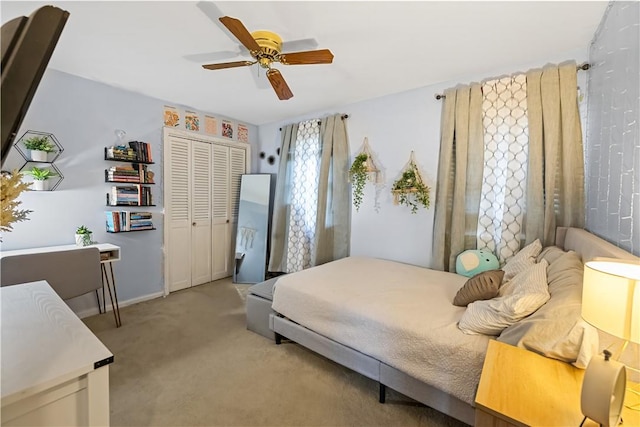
x: 266, y: 48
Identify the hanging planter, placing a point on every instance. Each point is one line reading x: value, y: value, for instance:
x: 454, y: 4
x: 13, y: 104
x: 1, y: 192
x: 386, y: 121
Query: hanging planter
x: 362, y: 169
x: 410, y: 189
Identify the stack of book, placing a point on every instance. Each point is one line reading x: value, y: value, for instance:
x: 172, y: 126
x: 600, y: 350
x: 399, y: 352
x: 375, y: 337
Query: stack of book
x: 120, y: 152
x: 135, y: 151
x: 130, y: 195
x: 137, y: 174
x: 119, y: 221
x: 142, y: 150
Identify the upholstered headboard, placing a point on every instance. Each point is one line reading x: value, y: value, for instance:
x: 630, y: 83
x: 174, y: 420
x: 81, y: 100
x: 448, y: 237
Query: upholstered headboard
x: 588, y: 245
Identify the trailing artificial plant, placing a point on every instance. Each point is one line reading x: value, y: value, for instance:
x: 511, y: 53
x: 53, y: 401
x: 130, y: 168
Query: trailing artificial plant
x: 11, y: 186
x: 358, y: 177
x: 83, y: 236
x: 410, y: 190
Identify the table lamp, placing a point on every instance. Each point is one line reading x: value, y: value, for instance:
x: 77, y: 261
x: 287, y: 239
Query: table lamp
x: 611, y: 303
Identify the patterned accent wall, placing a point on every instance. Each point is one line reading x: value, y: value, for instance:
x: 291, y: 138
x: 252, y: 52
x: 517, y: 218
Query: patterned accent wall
x: 612, y: 143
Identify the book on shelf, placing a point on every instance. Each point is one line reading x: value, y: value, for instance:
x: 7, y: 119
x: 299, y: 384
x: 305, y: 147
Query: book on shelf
x: 132, y: 195
x: 119, y: 221
x: 138, y: 174
x: 134, y: 151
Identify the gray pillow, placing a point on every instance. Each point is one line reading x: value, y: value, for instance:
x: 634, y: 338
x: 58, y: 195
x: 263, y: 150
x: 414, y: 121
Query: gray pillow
x: 482, y: 286
x: 557, y: 330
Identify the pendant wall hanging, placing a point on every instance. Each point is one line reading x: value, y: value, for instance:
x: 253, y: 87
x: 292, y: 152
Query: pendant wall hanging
x: 410, y: 189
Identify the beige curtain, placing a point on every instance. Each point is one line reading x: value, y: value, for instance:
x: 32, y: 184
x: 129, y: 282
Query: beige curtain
x: 555, y: 182
x: 459, y: 175
x: 333, y: 226
x: 281, y: 213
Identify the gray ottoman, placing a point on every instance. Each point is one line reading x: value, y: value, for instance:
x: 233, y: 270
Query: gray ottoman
x: 259, y: 301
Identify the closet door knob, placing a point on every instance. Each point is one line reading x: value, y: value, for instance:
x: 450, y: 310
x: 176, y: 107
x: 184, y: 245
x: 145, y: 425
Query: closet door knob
x: 227, y: 221
x: 193, y: 223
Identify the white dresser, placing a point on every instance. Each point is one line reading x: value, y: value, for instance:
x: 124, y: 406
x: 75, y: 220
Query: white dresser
x: 54, y: 369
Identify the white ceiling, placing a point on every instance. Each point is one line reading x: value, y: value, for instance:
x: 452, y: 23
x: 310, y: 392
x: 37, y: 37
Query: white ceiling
x: 380, y: 47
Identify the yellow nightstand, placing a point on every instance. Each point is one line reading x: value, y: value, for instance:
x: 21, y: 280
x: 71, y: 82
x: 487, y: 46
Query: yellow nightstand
x: 522, y: 388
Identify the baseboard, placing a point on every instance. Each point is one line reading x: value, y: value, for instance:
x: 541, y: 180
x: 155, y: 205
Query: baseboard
x: 94, y: 310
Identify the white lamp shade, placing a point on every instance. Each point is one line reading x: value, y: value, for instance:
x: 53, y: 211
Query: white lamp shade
x: 611, y: 298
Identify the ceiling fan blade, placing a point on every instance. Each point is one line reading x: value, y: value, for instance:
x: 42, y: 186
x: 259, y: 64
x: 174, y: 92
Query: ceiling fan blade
x: 279, y: 85
x: 238, y: 29
x: 227, y: 65
x: 323, y: 56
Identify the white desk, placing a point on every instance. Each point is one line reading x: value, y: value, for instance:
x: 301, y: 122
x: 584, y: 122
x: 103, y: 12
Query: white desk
x: 54, y: 370
x: 108, y: 254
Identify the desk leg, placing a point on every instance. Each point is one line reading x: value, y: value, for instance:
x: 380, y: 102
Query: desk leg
x: 111, y: 283
x: 98, y: 299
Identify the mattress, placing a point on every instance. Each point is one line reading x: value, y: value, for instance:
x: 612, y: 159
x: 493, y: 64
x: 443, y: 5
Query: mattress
x: 400, y: 314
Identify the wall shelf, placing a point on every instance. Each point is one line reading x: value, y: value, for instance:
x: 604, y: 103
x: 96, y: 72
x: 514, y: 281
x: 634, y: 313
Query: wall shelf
x: 134, y: 190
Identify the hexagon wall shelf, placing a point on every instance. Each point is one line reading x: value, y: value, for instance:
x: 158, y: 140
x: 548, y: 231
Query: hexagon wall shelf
x: 53, y: 182
x: 26, y: 153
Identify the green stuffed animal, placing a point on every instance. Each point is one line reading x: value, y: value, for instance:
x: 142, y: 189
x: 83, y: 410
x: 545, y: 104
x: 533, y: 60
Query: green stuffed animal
x: 474, y: 261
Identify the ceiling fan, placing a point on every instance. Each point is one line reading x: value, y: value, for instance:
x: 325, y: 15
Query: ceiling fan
x: 266, y: 48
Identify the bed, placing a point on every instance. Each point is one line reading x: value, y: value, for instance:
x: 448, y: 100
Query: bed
x: 395, y: 323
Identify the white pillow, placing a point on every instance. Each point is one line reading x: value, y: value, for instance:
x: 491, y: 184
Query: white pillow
x: 521, y: 261
x: 526, y: 292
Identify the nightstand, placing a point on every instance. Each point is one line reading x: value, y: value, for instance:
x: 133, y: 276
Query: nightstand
x: 522, y: 388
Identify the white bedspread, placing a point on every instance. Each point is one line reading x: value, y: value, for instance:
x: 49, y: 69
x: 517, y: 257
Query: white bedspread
x: 400, y: 314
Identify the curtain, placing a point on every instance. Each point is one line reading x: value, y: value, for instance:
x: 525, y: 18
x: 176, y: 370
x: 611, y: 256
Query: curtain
x: 333, y: 226
x: 506, y: 139
x: 281, y: 206
x: 459, y: 175
x: 515, y: 176
x: 311, y: 220
x: 555, y: 183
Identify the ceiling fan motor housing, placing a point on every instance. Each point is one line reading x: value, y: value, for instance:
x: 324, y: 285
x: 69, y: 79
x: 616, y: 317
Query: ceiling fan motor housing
x: 271, y: 46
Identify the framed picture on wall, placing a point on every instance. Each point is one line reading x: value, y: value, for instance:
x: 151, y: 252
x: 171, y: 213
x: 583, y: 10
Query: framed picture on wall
x: 243, y: 133
x: 210, y: 125
x: 171, y: 116
x: 192, y: 121
x: 227, y: 129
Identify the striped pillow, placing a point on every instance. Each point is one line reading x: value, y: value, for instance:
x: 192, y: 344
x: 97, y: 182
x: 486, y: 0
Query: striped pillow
x: 525, y: 293
x: 521, y: 261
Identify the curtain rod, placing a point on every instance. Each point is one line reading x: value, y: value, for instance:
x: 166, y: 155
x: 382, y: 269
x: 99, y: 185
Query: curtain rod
x: 581, y: 67
x: 344, y: 116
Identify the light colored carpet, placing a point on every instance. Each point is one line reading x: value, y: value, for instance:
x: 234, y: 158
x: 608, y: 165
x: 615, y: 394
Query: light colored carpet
x: 188, y: 360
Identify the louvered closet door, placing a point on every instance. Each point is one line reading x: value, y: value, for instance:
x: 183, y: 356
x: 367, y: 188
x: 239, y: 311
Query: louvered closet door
x: 177, y: 208
x: 221, y: 220
x: 201, y: 259
x: 237, y: 168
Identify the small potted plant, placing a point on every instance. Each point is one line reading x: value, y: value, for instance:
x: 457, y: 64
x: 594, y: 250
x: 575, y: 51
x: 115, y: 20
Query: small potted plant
x: 410, y: 190
x: 83, y: 236
x: 358, y: 177
x: 40, y: 147
x: 40, y: 177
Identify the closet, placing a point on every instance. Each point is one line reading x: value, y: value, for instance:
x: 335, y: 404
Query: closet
x: 201, y: 190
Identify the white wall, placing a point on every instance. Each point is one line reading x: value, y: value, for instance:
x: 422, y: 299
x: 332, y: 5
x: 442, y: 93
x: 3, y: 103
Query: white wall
x: 83, y: 116
x: 395, y: 125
